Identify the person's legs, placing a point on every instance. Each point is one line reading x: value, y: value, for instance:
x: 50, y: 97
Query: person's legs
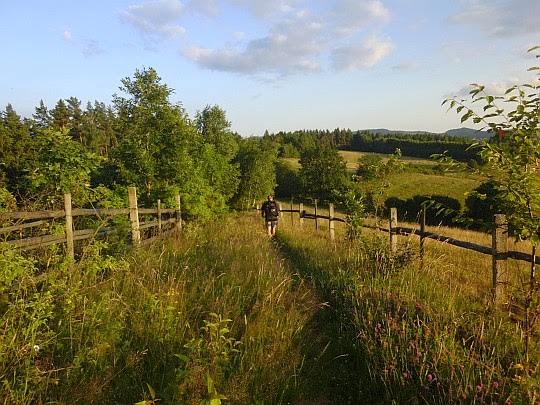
x: 269, y: 227
x: 274, y: 226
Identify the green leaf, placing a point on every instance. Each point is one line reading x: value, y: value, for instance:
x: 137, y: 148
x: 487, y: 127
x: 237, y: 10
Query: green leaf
x: 182, y: 357
x: 151, y: 391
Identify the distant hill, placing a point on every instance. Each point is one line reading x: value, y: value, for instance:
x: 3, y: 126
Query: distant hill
x: 467, y: 132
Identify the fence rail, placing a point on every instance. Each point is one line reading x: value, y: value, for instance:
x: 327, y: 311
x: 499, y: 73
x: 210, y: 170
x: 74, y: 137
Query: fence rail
x: 498, y: 250
x: 162, y: 226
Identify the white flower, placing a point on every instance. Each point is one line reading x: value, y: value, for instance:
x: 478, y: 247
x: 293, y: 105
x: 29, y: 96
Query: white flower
x: 36, y: 348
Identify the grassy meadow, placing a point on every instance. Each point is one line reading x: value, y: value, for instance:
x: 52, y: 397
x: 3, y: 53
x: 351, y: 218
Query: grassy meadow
x: 420, y: 177
x: 223, y: 314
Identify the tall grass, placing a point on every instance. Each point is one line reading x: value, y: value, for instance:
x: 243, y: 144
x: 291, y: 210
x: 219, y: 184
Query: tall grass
x: 214, y: 313
x: 223, y: 314
x: 424, y: 333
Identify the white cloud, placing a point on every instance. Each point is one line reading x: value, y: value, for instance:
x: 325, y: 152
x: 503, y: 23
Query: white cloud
x: 268, y: 9
x: 294, y: 36
x: 303, y: 38
x: 92, y: 48
x: 67, y: 35
x: 156, y: 19
x: 407, y: 66
x: 363, y: 55
x: 502, y: 18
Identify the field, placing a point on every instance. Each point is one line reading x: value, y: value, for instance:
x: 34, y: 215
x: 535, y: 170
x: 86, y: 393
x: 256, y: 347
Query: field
x: 421, y: 177
x: 225, y: 314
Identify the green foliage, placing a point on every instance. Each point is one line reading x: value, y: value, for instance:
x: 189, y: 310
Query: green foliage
x: 481, y: 204
x: 353, y: 203
x: 63, y: 165
x: 440, y: 209
x: 214, y: 128
x: 156, y: 137
x: 512, y: 155
x: 323, y: 173
x: 369, y: 166
x: 256, y: 160
x: 7, y: 201
x: 17, y: 151
x: 288, y: 183
x: 373, y: 179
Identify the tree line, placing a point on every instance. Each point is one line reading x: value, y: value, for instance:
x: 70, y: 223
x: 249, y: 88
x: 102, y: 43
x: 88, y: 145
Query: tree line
x: 142, y: 140
x: 413, y: 144
x: 146, y: 141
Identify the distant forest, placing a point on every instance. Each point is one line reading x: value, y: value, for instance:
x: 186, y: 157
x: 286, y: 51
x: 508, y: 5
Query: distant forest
x: 421, y: 144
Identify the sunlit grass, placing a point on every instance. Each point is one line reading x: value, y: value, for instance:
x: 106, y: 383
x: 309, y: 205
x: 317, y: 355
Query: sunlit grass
x: 225, y: 311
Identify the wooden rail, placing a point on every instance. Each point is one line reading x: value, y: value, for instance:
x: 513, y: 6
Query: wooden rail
x: 498, y: 250
x: 162, y: 226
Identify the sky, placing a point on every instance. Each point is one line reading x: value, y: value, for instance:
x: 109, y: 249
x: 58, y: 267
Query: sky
x: 272, y: 65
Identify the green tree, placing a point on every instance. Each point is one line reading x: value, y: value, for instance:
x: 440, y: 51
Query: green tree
x: 219, y: 147
x: 288, y: 183
x: 323, y: 172
x: 97, y: 128
x: 41, y: 118
x: 155, y: 137
x: 60, y: 116
x: 512, y: 155
x: 214, y: 128
x: 257, y: 162
x: 16, y: 150
x: 62, y: 165
x: 369, y: 166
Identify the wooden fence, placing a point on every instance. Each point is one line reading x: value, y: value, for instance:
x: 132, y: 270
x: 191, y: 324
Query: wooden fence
x: 162, y: 221
x: 498, y: 250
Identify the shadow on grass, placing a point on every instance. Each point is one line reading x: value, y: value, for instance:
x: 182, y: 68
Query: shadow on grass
x: 334, y: 370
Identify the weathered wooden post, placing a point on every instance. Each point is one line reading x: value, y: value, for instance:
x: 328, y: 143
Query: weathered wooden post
x: 393, y: 230
x: 331, y: 220
x: 422, y: 232
x: 292, y: 213
x: 316, y: 219
x: 160, y: 231
x: 178, y: 213
x: 301, y: 215
x: 134, y: 216
x: 500, y: 260
x: 70, y: 247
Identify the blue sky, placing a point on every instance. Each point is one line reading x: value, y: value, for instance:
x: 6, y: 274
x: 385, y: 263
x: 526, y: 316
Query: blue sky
x: 276, y: 65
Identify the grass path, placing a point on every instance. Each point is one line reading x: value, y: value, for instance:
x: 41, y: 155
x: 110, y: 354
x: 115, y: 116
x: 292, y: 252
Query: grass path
x: 329, y: 374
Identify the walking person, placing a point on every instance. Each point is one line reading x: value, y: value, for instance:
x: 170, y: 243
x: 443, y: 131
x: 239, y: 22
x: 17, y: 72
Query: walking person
x: 270, y: 213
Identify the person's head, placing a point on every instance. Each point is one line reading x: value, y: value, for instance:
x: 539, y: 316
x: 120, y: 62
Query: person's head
x: 270, y: 197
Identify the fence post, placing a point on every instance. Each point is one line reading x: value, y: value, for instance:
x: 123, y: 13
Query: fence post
x: 393, y: 229
x: 292, y: 213
x: 301, y: 215
x: 159, y: 217
x: 178, y: 213
x: 316, y: 219
x: 500, y: 259
x: 331, y: 220
x: 69, y: 226
x: 134, y: 216
x: 422, y: 232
